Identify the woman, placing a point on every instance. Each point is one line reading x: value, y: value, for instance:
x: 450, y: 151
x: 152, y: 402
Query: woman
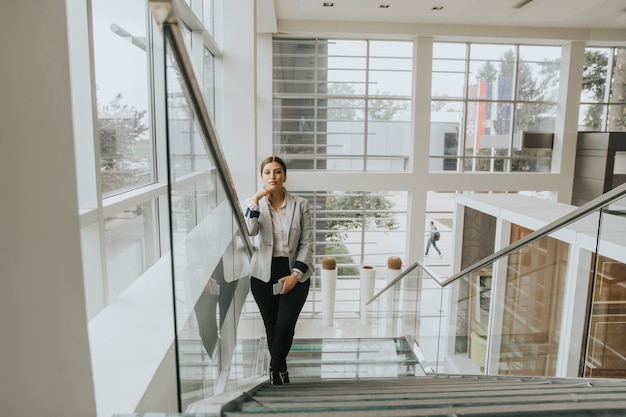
x: 282, y: 256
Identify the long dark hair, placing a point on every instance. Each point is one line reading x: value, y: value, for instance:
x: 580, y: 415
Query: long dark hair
x: 274, y: 159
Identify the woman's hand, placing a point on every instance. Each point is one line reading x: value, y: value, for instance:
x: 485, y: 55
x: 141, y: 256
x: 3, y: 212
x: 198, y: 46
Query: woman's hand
x: 259, y: 195
x: 289, y: 282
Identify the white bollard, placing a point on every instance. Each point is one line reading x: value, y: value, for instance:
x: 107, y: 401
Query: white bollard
x: 368, y: 284
x: 328, y: 277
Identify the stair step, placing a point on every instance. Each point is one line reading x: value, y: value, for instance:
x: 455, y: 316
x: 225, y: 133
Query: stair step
x: 438, y: 395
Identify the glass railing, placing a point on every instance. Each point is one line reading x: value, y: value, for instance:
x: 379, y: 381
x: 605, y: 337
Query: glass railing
x: 211, y: 248
x: 552, y: 303
x: 410, y: 306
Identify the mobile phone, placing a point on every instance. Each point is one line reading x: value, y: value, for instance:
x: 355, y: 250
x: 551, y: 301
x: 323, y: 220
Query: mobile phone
x: 277, y: 288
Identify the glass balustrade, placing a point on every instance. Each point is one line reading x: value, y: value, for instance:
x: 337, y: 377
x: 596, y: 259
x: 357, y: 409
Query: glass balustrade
x: 210, y: 246
x: 551, y: 306
x: 554, y: 306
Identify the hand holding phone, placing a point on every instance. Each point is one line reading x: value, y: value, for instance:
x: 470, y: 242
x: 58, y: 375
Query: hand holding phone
x: 277, y: 288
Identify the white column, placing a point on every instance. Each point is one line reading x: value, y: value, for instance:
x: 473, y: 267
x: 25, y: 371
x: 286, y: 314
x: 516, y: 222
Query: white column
x: 368, y: 283
x: 45, y: 360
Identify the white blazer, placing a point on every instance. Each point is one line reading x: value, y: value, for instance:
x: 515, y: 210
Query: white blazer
x: 300, y: 237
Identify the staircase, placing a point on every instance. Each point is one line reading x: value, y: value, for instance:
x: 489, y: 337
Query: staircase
x: 353, y: 358
x: 435, y: 395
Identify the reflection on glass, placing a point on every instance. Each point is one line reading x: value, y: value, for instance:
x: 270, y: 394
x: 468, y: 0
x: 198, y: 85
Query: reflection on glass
x: 210, y: 263
x: 131, y: 246
x: 180, y: 125
x: 121, y: 70
x: 606, y: 348
x: 532, y: 306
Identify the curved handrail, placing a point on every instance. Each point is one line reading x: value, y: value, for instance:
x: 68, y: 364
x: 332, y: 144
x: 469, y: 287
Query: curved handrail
x: 593, y: 205
x: 165, y: 16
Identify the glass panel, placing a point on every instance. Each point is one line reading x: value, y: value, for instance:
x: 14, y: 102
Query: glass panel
x: 535, y: 282
x: 595, y: 75
x: 413, y: 307
x: 445, y: 127
x: 616, y: 118
x: 131, y: 246
x: 209, y: 81
x: 208, y: 11
x: 535, y: 117
x: 618, y: 80
x: 333, y: 126
x: 592, y: 117
x: 491, y: 132
x: 605, y: 350
x: 355, y: 228
x: 121, y: 70
x: 449, y: 68
x: 538, y: 73
x: 495, y: 72
x: 180, y: 126
x: 210, y: 264
x: 492, y: 71
x: 532, y: 160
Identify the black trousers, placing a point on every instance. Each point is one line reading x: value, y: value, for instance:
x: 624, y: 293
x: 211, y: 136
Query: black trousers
x: 279, y: 312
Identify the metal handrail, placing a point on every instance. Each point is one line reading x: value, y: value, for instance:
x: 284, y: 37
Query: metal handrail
x: 165, y: 13
x: 588, y: 208
x: 404, y: 273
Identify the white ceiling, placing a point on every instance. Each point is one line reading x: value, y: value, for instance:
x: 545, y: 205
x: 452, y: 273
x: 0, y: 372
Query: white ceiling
x: 573, y: 14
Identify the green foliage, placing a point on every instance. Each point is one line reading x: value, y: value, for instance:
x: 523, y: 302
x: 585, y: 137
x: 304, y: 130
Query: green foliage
x: 347, y: 104
x: 594, y: 73
x: 120, y: 126
x: 595, y: 79
x: 360, y: 211
x: 487, y: 72
x: 121, y: 133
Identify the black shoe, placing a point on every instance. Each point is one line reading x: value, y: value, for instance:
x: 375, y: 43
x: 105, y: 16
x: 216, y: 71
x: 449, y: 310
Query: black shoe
x: 275, y: 378
x: 285, y: 377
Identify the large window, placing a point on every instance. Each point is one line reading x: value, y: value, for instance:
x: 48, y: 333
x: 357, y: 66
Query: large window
x: 603, y: 96
x: 359, y: 227
x: 342, y: 104
x: 134, y: 234
x: 486, y: 99
x: 121, y: 68
x: 356, y: 228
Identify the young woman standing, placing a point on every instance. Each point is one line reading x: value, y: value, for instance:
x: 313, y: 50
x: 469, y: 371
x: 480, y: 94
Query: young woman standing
x: 282, y: 260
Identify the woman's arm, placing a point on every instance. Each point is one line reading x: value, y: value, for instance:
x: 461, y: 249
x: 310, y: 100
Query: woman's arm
x: 253, y: 212
x: 304, y: 255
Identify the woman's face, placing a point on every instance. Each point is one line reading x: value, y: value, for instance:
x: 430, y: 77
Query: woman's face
x: 273, y: 176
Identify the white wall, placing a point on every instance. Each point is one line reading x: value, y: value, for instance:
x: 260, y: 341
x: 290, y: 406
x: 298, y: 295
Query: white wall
x: 44, y: 350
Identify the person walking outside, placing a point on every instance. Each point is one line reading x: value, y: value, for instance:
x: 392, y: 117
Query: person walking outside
x: 282, y: 260
x: 433, y: 238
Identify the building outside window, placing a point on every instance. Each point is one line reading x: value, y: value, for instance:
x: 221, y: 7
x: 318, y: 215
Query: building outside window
x: 485, y: 98
x: 342, y: 105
